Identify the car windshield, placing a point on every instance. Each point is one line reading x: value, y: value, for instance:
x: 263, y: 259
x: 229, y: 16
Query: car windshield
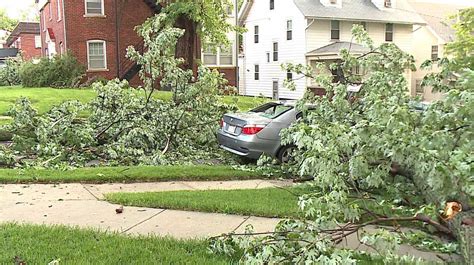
x: 271, y: 110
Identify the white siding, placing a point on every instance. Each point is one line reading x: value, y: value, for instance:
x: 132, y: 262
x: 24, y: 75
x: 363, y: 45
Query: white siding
x: 272, y: 28
x: 308, y: 35
x: 319, y: 34
x: 424, y: 39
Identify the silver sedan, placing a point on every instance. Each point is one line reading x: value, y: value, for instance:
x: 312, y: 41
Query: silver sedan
x: 250, y: 134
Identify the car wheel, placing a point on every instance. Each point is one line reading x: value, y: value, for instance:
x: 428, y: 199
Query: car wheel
x: 285, y: 154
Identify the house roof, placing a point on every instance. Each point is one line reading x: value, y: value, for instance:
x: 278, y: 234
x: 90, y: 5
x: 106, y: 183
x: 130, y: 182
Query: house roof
x: 8, y: 52
x: 335, y: 47
x: 23, y: 28
x: 436, y: 17
x: 360, y: 10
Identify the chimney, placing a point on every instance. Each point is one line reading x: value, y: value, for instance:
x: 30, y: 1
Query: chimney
x: 331, y: 3
x: 384, y: 4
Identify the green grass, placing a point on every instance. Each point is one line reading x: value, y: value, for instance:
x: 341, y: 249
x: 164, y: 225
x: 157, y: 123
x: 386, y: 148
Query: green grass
x: 269, y: 202
x: 41, y: 245
x: 125, y: 174
x: 43, y: 99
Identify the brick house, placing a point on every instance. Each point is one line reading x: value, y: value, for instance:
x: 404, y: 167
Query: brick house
x: 97, y: 32
x: 26, y: 38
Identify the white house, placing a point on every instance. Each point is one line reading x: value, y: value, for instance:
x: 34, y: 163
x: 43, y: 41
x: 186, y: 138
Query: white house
x: 306, y: 31
x: 430, y: 40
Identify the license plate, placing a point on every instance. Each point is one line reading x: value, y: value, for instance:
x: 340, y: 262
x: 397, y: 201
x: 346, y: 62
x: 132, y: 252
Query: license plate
x: 231, y: 129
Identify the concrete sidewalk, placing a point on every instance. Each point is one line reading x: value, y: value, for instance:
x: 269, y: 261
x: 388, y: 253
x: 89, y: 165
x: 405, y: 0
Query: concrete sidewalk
x: 81, y: 205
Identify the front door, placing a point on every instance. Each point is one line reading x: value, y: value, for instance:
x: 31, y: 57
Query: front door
x: 275, y: 94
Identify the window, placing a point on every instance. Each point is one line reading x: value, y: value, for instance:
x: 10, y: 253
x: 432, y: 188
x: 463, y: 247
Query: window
x: 94, y: 7
x: 59, y: 10
x: 37, y: 41
x: 255, y: 34
x: 389, y: 32
x: 256, y: 72
x: 275, y: 51
x: 419, y: 89
x: 275, y: 91
x: 218, y: 57
x: 229, y: 10
x: 334, y: 30
x: 96, y: 55
x: 289, y: 76
x: 434, y: 53
x: 209, y: 56
x: 289, y: 29
x: 272, y: 4
x: 44, y: 20
x: 268, y: 57
x: 50, y: 11
x: 388, y: 3
x: 225, y: 55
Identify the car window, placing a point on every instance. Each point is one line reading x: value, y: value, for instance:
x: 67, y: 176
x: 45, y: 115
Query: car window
x: 271, y: 110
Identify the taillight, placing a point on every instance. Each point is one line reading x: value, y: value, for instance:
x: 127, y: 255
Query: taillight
x: 221, y: 122
x: 252, y: 129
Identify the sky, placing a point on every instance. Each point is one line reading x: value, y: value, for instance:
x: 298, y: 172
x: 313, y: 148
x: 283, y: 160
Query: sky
x: 15, y: 8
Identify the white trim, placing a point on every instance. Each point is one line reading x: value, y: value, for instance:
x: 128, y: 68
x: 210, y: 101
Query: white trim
x: 94, y: 15
x: 44, y: 20
x: 59, y: 11
x: 50, y: 9
x: 218, y: 57
x: 105, y: 55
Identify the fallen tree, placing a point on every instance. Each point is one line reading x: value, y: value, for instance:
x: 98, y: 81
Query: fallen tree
x: 378, y: 156
x: 126, y: 125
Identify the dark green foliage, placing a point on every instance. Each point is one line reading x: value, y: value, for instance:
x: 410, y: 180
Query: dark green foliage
x: 10, y: 74
x: 60, y: 71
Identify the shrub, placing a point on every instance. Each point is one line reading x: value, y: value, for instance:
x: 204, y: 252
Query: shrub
x: 10, y: 74
x: 59, y: 71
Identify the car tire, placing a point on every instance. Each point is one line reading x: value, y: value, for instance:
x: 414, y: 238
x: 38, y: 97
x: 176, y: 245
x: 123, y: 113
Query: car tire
x: 284, y: 154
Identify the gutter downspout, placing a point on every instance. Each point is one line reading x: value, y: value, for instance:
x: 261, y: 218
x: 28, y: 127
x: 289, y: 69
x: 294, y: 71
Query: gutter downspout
x: 236, y: 44
x: 117, y: 40
x: 64, y: 25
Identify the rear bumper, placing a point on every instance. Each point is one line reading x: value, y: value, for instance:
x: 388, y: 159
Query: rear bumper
x: 246, y: 145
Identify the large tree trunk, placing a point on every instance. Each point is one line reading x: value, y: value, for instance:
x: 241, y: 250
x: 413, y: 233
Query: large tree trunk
x: 463, y: 229
x: 188, y: 46
x: 461, y: 225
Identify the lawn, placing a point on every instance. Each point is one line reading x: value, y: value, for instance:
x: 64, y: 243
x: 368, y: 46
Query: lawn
x: 125, y: 174
x: 43, y: 99
x: 41, y: 245
x: 269, y: 202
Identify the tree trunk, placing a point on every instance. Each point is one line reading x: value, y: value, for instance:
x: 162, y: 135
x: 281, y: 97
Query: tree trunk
x: 188, y: 46
x: 463, y: 229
